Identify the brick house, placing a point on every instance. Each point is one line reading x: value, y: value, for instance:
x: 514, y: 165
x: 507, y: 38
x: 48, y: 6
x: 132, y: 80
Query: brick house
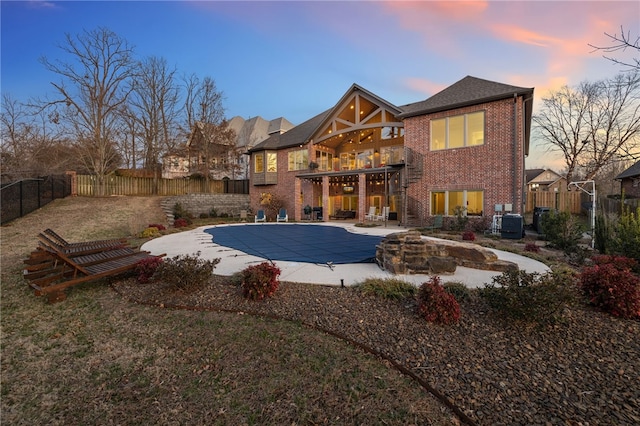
x: 630, y: 181
x: 459, y: 151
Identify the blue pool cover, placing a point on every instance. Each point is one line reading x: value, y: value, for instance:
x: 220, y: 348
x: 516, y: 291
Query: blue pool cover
x: 298, y: 243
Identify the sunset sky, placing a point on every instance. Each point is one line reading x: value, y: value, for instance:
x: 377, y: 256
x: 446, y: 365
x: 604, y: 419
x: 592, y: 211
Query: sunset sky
x: 295, y: 59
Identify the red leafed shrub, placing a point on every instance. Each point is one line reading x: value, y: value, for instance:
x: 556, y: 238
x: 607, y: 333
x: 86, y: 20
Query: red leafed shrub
x: 468, y: 236
x: 611, y: 286
x: 260, y: 281
x: 157, y: 225
x: 180, y: 223
x: 436, y: 305
x: 532, y: 247
x: 145, y: 269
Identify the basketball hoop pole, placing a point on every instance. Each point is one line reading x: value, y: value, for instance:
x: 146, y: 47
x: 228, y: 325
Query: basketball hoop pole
x: 580, y: 185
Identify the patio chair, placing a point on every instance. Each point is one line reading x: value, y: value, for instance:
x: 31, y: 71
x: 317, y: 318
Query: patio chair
x: 437, y: 223
x: 260, y: 217
x: 282, y: 215
x: 372, y: 214
x: 384, y: 215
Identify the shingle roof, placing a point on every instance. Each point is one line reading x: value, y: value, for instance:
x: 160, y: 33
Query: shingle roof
x: 468, y: 91
x: 531, y: 174
x: 296, y: 136
x: 630, y: 172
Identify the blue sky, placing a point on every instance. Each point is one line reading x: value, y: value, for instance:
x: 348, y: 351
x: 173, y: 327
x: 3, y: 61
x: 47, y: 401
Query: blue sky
x: 294, y: 59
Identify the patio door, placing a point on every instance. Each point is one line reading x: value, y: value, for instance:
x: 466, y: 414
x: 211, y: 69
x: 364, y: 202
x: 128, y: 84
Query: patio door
x: 350, y: 202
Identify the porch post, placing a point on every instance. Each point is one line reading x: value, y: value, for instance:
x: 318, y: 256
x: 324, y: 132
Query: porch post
x: 362, y: 196
x: 325, y: 198
x: 297, y: 204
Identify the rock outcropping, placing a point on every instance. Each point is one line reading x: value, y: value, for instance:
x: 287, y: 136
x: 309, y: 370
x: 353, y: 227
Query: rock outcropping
x: 409, y: 253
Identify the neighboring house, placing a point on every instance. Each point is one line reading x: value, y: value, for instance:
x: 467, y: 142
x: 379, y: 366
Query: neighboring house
x: 461, y: 150
x: 228, y: 160
x: 545, y: 180
x: 175, y: 164
x: 630, y: 181
x: 251, y: 132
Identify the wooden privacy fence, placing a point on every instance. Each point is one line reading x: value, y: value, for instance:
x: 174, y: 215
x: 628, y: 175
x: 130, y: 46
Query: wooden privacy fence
x: 127, y: 185
x: 569, y: 201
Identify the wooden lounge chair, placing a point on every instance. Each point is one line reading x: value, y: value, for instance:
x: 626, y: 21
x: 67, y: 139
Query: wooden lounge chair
x: 52, y: 268
x: 97, y: 243
x: 282, y: 216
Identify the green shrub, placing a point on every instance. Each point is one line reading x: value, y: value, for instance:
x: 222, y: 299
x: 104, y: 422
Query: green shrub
x: 562, y: 230
x: 388, y: 288
x: 627, y: 234
x: 529, y: 297
x: 186, y: 272
x: 151, y: 232
x: 146, y: 268
x: 458, y: 290
x: 461, y: 219
x: 213, y: 212
x: 260, y: 281
x: 180, y: 213
x: 611, y: 286
x: 603, y: 234
x: 436, y: 305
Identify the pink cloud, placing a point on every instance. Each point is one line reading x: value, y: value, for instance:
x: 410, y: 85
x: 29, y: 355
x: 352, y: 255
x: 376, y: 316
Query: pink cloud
x: 426, y: 87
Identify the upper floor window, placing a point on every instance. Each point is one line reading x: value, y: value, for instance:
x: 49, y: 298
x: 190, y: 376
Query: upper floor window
x: 324, y: 160
x: 259, y: 162
x: 272, y: 162
x: 389, y: 132
x: 298, y: 160
x: 457, y: 131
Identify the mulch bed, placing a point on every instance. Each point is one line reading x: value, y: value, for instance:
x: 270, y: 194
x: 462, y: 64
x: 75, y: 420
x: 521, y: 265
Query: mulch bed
x: 583, y: 371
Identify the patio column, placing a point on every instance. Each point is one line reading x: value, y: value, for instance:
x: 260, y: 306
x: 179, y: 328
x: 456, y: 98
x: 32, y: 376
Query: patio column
x: 325, y: 198
x: 362, y: 196
x: 297, y: 204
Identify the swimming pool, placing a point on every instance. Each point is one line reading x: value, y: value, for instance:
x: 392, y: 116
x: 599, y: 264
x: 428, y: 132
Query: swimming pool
x: 298, y: 242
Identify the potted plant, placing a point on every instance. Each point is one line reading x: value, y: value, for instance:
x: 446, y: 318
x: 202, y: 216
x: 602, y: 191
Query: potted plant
x: 307, y: 211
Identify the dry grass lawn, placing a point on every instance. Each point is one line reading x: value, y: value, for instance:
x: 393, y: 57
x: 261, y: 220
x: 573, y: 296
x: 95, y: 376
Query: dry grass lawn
x: 98, y: 359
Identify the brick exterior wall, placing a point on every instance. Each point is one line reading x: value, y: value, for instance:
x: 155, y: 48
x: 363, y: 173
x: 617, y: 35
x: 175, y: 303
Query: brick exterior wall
x: 496, y: 167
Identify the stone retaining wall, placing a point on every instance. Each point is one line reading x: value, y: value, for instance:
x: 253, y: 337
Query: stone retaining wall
x: 409, y: 253
x: 196, y: 204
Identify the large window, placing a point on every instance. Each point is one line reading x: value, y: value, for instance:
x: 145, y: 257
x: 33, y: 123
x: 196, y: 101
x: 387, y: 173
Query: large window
x: 324, y: 160
x: 272, y: 162
x: 298, y: 160
x: 458, y: 131
x: 259, y: 162
x: 449, y: 203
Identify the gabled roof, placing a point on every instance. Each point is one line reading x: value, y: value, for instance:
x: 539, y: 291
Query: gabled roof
x: 468, y: 91
x: 531, y: 174
x: 279, y: 125
x: 632, y: 171
x: 303, y: 133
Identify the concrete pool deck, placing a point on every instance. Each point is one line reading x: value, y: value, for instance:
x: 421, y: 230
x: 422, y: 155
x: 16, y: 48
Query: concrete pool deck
x: 232, y: 261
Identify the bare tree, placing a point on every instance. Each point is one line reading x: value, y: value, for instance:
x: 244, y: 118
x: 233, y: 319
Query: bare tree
x: 29, y: 146
x: 155, y: 106
x: 92, y: 91
x: 620, y: 43
x: 593, y: 123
